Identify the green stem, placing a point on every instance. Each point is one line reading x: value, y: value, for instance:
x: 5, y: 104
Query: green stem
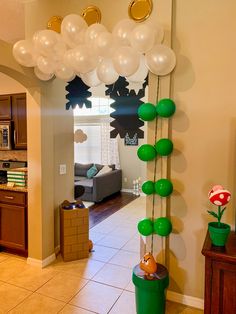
x: 219, y: 218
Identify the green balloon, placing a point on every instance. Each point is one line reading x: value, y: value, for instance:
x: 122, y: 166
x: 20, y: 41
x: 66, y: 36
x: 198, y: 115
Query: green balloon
x: 146, y: 152
x: 165, y: 108
x: 162, y: 226
x: 163, y: 187
x: 147, y: 112
x: 145, y: 227
x: 164, y: 147
x: 148, y: 187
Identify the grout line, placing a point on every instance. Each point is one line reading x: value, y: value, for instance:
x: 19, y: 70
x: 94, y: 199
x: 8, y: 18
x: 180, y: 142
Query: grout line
x: 47, y: 296
x: 109, y: 285
x: 79, y: 292
x: 115, y: 302
x: 22, y: 301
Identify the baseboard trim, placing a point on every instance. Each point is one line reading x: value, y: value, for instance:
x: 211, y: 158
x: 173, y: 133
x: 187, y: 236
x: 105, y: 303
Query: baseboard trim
x: 127, y: 190
x: 131, y: 191
x: 185, y: 299
x: 41, y: 263
x: 57, y: 250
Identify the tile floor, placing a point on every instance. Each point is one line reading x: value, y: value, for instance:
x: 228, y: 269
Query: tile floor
x: 101, y: 284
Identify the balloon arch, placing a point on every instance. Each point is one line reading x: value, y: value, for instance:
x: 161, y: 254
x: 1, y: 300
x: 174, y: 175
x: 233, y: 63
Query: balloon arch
x: 95, y: 54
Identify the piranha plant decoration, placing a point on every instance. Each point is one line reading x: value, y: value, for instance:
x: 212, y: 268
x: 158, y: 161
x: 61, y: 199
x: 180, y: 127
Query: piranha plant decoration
x: 219, y: 231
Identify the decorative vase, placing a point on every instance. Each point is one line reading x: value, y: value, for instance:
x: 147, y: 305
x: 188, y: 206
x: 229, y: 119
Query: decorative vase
x: 218, y: 234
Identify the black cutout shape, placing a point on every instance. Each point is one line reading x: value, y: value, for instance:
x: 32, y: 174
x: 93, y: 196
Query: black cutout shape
x: 78, y: 94
x: 126, y: 103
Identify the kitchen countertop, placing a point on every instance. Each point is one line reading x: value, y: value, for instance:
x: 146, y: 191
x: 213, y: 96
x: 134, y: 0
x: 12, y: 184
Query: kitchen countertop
x: 13, y: 188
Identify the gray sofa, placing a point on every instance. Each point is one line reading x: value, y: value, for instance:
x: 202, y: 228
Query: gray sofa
x: 98, y: 187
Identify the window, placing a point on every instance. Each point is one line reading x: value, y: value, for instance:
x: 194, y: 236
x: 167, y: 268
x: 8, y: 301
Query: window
x: 90, y: 121
x: 90, y: 150
x: 100, y: 106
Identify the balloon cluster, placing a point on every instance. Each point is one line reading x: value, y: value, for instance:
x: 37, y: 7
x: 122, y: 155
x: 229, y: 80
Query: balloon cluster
x: 94, y: 54
x: 161, y: 226
x: 165, y: 108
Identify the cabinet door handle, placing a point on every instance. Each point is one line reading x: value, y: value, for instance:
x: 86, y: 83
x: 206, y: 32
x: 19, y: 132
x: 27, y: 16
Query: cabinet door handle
x: 14, y: 135
x: 9, y: 197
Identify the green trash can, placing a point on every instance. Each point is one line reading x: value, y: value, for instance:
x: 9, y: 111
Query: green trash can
x: 150, y: 294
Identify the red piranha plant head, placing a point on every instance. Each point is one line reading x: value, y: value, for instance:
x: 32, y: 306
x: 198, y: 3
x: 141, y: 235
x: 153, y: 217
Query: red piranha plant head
x: 219, y: 196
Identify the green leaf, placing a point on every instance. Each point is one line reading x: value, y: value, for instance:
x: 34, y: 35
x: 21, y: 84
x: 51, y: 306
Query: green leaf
x: 213, y: 214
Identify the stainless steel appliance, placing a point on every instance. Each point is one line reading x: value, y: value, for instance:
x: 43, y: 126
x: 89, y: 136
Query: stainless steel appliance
x: 5, y: 135
x: 9, y: 164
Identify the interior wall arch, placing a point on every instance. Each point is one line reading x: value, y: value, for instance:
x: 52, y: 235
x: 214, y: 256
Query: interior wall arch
x: 50, y: 143
x: 33, y: 156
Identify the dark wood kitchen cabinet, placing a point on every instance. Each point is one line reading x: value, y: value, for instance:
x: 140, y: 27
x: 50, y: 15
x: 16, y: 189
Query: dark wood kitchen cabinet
x: 13, y: 107
x: 13, y: 221
x: 5, y: 107
x: 19, y: 116
x: 220, y: 277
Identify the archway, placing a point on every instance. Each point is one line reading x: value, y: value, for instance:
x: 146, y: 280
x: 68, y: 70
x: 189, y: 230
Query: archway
x: 45, y: 118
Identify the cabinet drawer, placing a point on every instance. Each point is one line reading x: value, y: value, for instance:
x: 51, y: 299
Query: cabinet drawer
x: 12, y: 197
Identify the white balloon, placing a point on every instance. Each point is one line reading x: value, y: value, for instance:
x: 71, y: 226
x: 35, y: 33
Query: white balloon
x: 68, y: 58
x: 92, y: 33
x: 81, y: 36
x: 105, y: 45
x: 157, y: 29
x: 83, y: 60
x: 46, y: 65
x: 106, y: 72
x: 142, y: 38
x: 126, y: 61
x: 91, y: 79
x: 42, y: 76
x: 141, y: 73
x: 59, y: 50
x: 64, y: 73
x: 160, y: 60
x: 72, y: 28
x: 24, y: 53
x: 45, y: 40
x: 122, y: 30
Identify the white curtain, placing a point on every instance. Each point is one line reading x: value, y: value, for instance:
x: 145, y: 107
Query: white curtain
x: 109, y: 147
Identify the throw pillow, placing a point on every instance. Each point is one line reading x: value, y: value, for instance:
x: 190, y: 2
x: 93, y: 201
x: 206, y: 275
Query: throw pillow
x: 81, y: 169
x: 99, y: 166
x: 91, y: 172
x: 105, y: 169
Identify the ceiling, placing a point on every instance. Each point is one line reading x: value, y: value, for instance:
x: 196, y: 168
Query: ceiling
x: 12, y: 20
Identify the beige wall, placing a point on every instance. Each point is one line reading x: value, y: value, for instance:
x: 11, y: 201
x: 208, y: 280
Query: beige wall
x: 9, y: 85
x: 132, y: 167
